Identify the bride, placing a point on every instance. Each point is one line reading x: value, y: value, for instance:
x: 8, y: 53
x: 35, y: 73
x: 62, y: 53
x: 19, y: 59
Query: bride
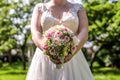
x: 59, y: 12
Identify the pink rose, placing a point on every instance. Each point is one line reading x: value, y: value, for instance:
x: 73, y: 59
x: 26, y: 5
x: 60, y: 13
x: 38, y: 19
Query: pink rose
x: 45, y: 47
x: 65, y: 29
x: 67, y: 39
x: 49, y: 35
x: 51, y: 31
x: 73, y: 49
x: 52, y: 52
x: 58, y: 34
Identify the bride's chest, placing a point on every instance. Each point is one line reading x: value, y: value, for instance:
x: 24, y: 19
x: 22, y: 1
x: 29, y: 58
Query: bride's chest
x: 70, y: 20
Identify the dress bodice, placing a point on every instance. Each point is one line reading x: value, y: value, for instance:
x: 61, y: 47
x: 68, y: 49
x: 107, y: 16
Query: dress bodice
x: 70, y: 20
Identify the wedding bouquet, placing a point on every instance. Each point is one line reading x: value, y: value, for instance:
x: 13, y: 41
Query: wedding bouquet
x: 59, y: 42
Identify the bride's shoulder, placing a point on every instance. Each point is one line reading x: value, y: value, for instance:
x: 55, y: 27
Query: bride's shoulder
x: 39, y: 6
x: 76, y: 6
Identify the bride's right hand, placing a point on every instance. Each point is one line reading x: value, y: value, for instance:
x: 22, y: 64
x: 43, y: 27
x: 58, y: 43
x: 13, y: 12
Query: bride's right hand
x: 42, y: 44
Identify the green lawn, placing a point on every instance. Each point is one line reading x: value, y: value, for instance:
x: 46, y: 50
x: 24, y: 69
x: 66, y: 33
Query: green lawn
x: 15, y: 72
x: 106, y: 74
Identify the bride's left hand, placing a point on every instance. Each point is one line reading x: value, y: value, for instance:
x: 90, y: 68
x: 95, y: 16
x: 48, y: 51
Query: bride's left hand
x: 70, y: 56
x: 67, y: 58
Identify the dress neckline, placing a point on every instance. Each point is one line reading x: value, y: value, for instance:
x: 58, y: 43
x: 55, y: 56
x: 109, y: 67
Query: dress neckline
x: 63, y: 15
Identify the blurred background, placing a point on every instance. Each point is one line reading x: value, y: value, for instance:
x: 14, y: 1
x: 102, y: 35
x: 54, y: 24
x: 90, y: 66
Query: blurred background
x: 102, y: 50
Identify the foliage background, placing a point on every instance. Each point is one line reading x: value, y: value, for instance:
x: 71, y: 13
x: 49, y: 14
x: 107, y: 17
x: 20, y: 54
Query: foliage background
x: 104, y: 32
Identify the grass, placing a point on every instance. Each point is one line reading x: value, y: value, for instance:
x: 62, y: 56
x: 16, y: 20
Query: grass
x: 15, y: 72
x: 105, y: 73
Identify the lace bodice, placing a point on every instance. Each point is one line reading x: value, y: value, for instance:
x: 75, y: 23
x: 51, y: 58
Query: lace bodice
x: 70, y: 20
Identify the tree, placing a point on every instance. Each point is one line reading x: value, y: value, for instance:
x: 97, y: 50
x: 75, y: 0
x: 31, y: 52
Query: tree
x: 7, y: 30
x: 15, y: 26
x: 104, y: 30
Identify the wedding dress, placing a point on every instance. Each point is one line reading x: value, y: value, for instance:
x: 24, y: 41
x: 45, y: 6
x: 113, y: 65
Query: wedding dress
x: 42, y: 68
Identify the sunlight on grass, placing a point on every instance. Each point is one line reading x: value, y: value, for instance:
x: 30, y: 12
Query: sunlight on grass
x: 106, y: 73
x: 11, y: 77
x: 15, y: 72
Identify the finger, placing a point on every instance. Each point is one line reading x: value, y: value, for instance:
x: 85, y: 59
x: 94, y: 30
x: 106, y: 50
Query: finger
x: 68, y: 58
x: 55, y: 61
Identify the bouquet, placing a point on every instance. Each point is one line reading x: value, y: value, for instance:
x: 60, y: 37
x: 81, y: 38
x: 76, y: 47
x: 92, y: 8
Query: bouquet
x: 59, y: 42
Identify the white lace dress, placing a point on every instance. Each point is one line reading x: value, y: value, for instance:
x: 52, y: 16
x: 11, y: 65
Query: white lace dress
x: 42, y: 68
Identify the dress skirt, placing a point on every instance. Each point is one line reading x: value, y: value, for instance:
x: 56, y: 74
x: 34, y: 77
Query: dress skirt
x: 42, y: 68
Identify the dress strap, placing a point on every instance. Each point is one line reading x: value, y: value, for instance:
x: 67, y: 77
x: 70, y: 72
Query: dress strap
x: 41, y: 7
x: 77, y: 6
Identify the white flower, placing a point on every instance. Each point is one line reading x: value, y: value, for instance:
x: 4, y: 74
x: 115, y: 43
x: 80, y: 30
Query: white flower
x: 75, y: 40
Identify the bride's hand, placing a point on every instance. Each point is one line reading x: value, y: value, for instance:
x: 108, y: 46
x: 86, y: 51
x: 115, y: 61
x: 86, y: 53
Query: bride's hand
x: 43, y: 44
x: 68, y: 58
x: 56, y: 61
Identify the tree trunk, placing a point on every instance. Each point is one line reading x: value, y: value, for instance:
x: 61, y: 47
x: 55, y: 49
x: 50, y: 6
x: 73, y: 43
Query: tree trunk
x: 23, y: 52
x: 93, y: 58
x: 9, y: 57
x: 23, y: 57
